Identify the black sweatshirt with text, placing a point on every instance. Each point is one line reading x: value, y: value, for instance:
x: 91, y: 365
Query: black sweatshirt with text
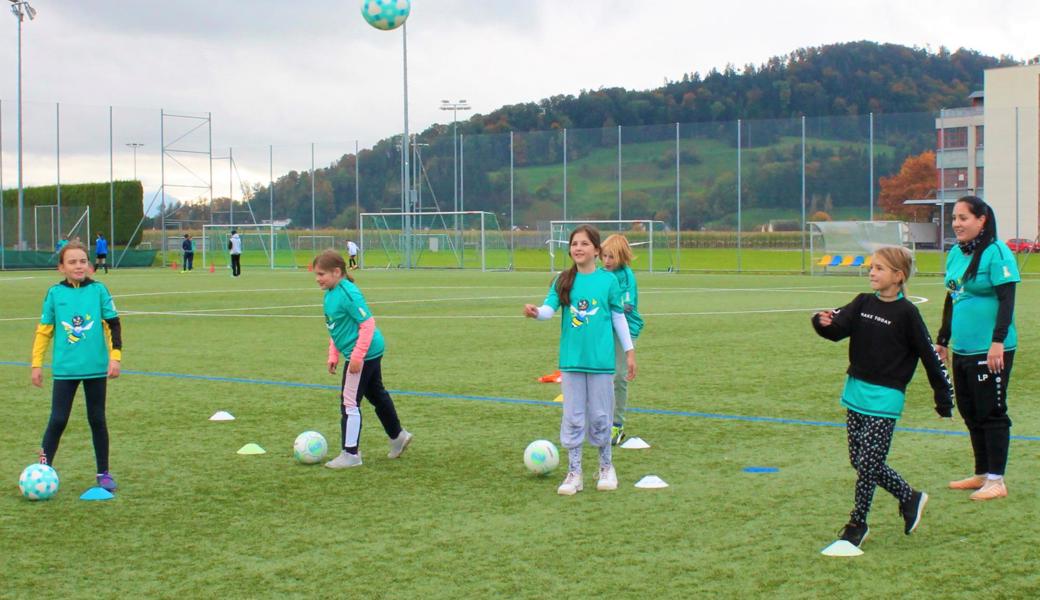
x: 887, y: 339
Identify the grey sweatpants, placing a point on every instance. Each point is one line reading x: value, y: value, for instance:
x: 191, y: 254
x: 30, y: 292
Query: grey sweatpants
x: 620, y: 383
x: 588, y: 407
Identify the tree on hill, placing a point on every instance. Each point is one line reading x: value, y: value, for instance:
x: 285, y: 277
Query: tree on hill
x: 916, y: 180
x: 843, y: 80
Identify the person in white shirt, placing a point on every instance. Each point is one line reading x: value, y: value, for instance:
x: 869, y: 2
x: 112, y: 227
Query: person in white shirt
x: 235, y: 246
x: 352, y: 250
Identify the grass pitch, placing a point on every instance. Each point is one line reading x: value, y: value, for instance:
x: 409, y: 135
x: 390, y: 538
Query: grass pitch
x: 730, y: 375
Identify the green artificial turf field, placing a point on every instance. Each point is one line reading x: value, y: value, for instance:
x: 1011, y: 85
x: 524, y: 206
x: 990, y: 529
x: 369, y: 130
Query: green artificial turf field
x: 731, y: 375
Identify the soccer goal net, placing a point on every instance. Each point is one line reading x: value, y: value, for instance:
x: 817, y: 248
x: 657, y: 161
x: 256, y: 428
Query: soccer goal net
x: 654, y: 246
x: 315, y: 243
x: 53, y: 223
x: 445, y: 240
x: 263, y: 245
x: 846, y: 246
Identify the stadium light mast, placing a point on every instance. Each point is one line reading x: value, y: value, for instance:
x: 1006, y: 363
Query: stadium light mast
x: 455, y: 107
x: 21, y: 9
x: 134, y: 146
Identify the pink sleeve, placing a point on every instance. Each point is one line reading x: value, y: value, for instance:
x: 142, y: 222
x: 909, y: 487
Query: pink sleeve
x: 365, y: 332
x: 333, y: 352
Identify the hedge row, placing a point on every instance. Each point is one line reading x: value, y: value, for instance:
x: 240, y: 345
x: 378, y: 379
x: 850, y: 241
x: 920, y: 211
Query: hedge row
x: 127, y: 200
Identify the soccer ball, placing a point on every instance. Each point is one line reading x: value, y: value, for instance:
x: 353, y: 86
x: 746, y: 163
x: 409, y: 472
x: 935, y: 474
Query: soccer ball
x: 310, y: 447
x: 386, y: 14
x: 38, y: 482
x: 541, y: 457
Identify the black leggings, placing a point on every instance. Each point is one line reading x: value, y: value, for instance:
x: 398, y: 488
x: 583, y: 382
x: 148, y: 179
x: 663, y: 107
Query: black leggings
x: 869, y: 440
x: 982, y: 402
x: 61, y: 407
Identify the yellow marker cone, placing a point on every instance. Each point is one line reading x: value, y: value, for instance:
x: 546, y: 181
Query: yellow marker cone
x: 251, y: 449
x: 558, y: 398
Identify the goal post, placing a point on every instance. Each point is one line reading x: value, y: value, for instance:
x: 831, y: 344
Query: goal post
x: 263, y: 245
x: 846, y: 246
x: 654, y: 244
x: 52, y: 223
x: 435, y: 239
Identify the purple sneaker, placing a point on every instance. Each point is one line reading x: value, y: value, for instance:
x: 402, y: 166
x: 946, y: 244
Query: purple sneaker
x: 105, y: 481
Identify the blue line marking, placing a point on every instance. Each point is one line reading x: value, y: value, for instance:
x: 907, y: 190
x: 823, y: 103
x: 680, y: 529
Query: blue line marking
x: 647, y: 411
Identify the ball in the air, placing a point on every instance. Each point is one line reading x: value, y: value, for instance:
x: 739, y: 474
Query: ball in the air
x: 310, y: 447
x: 38, y: 482
x: 541, y: 457
x: 386, y: 14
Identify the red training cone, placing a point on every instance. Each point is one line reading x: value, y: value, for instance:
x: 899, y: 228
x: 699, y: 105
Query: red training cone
x: 212, y: 269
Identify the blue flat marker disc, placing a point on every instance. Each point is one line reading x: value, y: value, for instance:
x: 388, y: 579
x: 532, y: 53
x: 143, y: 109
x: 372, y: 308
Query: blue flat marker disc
x: 761, y: 469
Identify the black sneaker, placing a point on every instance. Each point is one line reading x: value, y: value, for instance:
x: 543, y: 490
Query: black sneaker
x: 854, y: 534
x: 912, y: 510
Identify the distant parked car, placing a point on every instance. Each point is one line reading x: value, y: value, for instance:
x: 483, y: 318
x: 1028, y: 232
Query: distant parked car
x: 1023, y: 245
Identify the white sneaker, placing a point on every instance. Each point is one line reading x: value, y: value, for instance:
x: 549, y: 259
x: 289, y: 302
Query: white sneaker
x: 345, y: 460
x: 571, y: 485
x: 399, y: 443
x: 607, y: 479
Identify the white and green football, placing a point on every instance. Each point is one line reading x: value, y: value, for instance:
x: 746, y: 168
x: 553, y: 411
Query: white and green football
x: 310, y: 447
x: 38, y: 482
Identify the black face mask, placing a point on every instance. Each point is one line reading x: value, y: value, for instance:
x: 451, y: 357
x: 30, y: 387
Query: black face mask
x: 972, y: 245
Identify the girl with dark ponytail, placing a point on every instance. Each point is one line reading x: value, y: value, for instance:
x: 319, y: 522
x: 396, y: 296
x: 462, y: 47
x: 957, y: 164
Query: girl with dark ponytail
x: 593, y: 312
x: 979, y: 326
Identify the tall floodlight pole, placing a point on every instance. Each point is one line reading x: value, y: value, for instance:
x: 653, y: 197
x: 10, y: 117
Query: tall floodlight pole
x: 133, y: 147
x: 455, y: 107
x: 21, y: 9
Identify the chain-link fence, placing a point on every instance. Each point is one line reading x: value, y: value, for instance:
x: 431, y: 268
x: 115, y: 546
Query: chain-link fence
x: 747, y: 185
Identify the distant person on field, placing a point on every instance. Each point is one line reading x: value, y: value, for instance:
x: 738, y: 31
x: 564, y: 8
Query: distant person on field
x: 887, y: 338
x: 979, y: 326
x: 352, y: 250
x: 188, y: 248
x: 352, y: 332
x: 593, y: 314
x: 85, y: 351
x: 100, y: 253
x: 617, y: 256
x: 235, y: 247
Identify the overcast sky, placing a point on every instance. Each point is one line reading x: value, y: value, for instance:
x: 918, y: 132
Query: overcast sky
x: 293, y: 72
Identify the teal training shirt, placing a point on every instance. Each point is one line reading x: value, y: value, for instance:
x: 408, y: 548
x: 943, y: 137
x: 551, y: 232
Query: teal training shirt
x: 630, y: 299
x: 345, y: 309
x: 975, y: 302
x: 587, y: 332
x: 872, y: 399
x: 78, y: 315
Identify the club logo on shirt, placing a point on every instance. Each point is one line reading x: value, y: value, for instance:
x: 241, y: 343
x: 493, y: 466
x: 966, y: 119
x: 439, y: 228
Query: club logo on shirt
x: 77, y: 330
x: 580, y: 315
x: 956, y: 287
x: 1007, y: 273
x: 329, y: 323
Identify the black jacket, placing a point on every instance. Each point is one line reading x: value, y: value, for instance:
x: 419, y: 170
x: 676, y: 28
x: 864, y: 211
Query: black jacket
x: 887, y: 338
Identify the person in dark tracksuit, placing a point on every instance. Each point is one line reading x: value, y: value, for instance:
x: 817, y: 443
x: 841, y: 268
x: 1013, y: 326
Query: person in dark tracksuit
x: 979, y: 326
x: 85, y: 351
x: 887, y: 338
x: 188, y: 248
x: 352, y: 331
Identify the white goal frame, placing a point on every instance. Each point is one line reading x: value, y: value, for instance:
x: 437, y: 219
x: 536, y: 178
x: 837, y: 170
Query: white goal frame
x: 269, y: 228
x: 453, y: 221
x: 608, y: 227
